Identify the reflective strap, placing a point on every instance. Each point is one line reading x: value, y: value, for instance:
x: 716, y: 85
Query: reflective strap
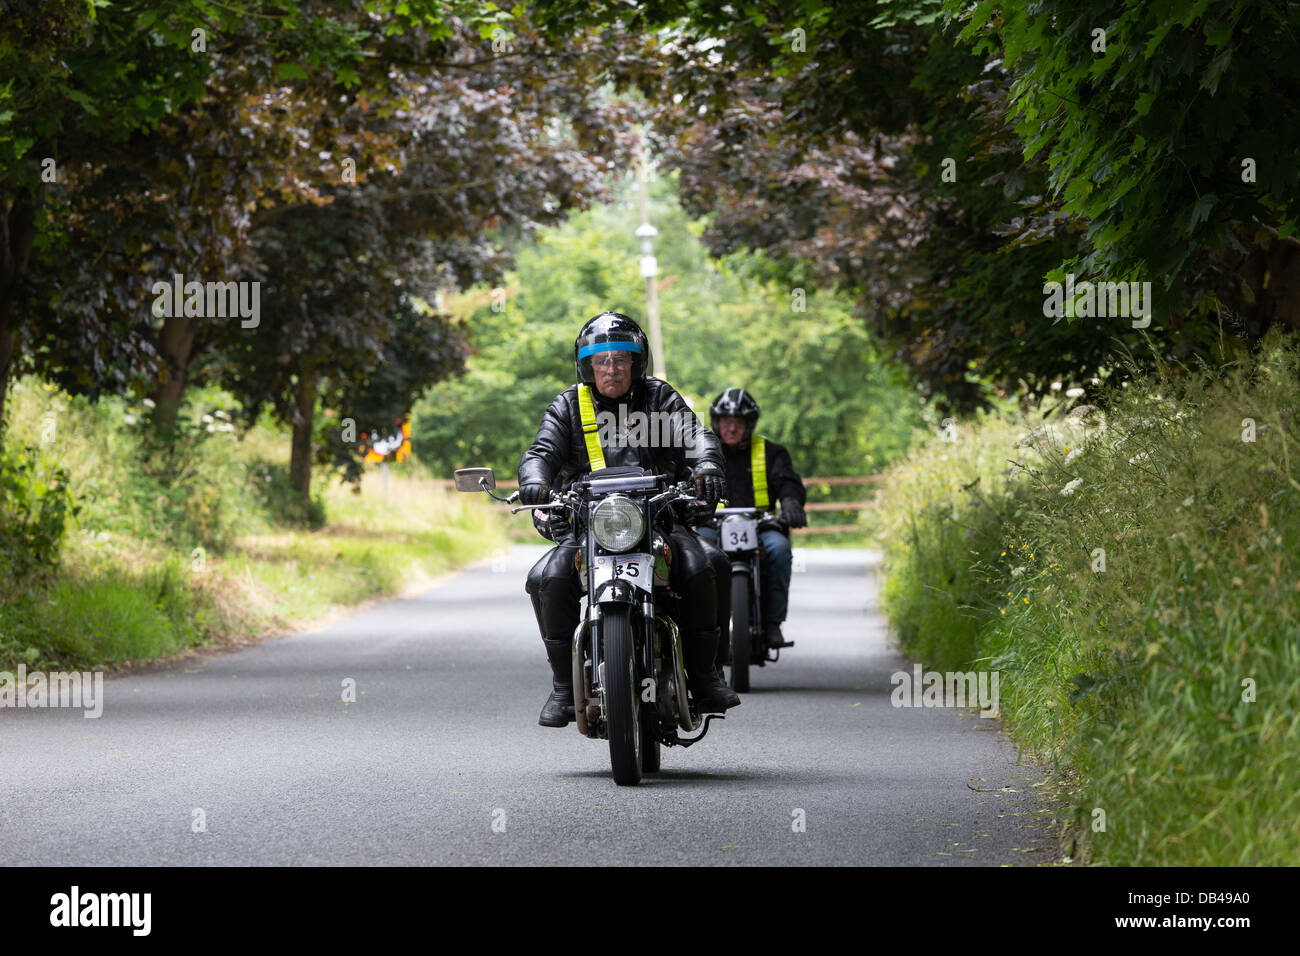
x: 588, y: 412
x: 595, y: 347
x: 758, y: 466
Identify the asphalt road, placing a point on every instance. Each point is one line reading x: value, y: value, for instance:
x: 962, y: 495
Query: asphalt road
x: 255, y: 758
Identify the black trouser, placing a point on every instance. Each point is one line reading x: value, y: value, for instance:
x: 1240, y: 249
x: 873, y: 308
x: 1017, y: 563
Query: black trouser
x: 699, y: 572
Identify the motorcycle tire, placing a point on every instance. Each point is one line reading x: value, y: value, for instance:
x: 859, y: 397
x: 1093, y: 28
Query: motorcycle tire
x: 622, y: 700
x: 741, y: 642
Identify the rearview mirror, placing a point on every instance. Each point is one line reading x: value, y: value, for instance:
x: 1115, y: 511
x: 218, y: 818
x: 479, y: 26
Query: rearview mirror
x: 475, y: 479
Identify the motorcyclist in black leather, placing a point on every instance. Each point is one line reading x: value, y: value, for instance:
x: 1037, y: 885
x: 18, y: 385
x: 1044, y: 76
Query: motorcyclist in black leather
x: 612, y: 356
x: 733, y: 416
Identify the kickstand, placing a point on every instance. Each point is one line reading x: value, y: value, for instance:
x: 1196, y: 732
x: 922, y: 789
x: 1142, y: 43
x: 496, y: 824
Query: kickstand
x: 687, y: 741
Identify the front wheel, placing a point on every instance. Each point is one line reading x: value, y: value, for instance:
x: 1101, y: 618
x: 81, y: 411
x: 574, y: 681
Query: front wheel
x: 741, y: 643
x: 622, y: 702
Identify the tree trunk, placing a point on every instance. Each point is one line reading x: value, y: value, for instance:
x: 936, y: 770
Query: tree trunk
x: 303, y: 422
x: 8, y: 335
x: 1267, y: 287
x: 175, y: 345
x: 17, y: 232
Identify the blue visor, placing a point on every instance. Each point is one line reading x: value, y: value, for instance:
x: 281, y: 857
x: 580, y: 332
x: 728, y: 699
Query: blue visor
x: 608, y: 347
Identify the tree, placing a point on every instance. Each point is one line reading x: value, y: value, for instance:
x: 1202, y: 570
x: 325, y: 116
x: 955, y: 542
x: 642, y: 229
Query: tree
x: 484, y: 160
x: 122, y: 136
x: 808, y: 130
x: 1171, y: 130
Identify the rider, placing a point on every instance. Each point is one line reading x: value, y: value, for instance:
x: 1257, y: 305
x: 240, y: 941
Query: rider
x: 733, y: 416
x: 612, y: 356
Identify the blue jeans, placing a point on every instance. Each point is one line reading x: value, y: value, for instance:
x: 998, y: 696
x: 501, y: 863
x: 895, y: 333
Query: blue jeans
x: 776, y: 568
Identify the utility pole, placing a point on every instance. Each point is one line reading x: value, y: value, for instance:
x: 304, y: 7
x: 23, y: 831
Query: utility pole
x: 649, y: 269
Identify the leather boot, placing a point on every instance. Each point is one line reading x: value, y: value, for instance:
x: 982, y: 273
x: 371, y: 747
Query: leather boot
x: 558, y: 709
x: 711, y: 693
x: 774, y: 637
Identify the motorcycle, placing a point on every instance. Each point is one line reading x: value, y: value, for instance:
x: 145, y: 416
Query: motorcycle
x: 738, y: 536
x: 629, y: 670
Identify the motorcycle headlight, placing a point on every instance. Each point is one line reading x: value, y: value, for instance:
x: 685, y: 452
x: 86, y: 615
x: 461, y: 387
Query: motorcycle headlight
x: 617, y: 523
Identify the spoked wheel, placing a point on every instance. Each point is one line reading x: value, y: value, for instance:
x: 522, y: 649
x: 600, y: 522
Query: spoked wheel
x: 622, y: 702
x: 741, y: 645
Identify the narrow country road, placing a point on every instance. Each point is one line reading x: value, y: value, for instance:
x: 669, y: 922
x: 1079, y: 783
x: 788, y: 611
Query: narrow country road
x: 260, y: 748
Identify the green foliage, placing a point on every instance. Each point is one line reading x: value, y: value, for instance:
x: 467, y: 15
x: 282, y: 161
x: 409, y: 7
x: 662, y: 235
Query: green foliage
x: 281, y: 502
x: 1132, y: 671
x: 824, y: 388
x: 130, y: 583
x: 942, y: 160
x: 189, y: 483
x: 108, y: 617
x: 1145, y: 139
x: 186, y: 489
x: 35, y: 505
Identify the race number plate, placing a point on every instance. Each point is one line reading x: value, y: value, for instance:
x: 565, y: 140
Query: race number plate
x: 637, y: 569
x: 739, y: 533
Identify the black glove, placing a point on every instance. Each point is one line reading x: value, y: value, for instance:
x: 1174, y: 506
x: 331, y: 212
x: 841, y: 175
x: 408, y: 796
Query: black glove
x: 553, y: 523
x: 794, y: 513
x: 534, y: 493
x: 561, y: 526
x: 710, y: 484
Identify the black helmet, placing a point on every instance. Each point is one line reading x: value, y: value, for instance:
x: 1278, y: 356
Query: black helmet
x: 737, y: 402
x: 611, y: 332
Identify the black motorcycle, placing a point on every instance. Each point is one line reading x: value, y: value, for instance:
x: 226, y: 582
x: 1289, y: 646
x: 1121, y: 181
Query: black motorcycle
x: 629, y: 671
x: 738, y: 536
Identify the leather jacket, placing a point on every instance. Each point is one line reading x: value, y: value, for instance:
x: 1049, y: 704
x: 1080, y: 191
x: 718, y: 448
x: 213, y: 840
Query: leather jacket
x: 782, y: 480
x: 558, y: 455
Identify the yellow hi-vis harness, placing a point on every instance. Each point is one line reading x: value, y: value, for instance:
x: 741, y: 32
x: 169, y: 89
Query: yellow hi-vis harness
x: 587, y: 409
x: 758, y: 465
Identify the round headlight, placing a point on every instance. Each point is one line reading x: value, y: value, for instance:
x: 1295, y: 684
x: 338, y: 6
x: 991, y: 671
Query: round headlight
x: 617, y: 523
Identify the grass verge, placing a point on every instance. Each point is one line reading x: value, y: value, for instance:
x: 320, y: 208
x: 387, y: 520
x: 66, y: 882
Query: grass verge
x: 150, y: 566
x: 1133, y: 575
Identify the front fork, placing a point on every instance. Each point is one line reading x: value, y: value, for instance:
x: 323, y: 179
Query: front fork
x: 588, y: 660
x: 751, y: 569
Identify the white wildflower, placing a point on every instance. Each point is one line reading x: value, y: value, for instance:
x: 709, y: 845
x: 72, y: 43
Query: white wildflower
x: 1074, y: 393
x: 1069, y: 488
x: 150, y: 403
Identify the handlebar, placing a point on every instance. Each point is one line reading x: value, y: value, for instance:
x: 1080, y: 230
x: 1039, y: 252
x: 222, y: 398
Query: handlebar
x: 682, y: 491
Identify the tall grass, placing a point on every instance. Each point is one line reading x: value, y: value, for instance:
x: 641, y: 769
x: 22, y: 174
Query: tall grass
x: 1134, y: 575
x: 206, y: 542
